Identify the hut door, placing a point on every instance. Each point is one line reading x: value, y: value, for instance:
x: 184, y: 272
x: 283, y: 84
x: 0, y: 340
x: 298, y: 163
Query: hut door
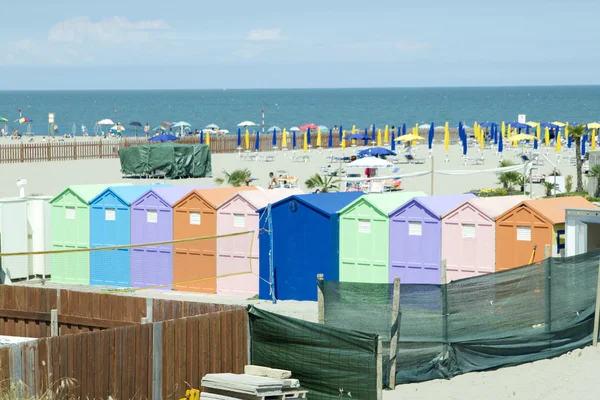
x: 560, y: 244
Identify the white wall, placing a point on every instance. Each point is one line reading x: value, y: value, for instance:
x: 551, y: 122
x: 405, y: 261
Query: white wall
x: 38, y: 218
x: 14, y: 238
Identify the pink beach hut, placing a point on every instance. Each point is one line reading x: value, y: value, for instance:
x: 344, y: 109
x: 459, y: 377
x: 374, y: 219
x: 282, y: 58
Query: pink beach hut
x: 416, y: 237
x: 238, y: 214
x: 469, y: 235
x: 152, y: 221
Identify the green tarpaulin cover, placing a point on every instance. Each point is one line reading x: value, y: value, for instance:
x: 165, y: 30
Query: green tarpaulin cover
x: 331, y: 363
x: 171, y: 159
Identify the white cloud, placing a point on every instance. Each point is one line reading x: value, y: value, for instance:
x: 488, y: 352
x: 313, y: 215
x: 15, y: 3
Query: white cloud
x: 258, y: 35
x: 113, y: 30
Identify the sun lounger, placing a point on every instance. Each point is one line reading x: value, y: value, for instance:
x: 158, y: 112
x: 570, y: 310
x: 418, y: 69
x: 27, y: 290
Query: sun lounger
x: 410, y: 159
x: 474, y: 161
x: 265, y: 158
x: 301, y: 158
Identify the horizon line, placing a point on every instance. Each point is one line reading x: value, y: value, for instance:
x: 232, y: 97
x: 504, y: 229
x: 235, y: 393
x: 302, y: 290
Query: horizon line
x: 307, y: 88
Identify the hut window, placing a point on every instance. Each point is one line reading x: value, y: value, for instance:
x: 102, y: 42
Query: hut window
x: 152, y: 216
x: 524, y: 233
x: 364, y: 226
x: 70, y: 213
x: 468, y: 231
x: 194, y: 218
x: 239, y: 220
x: 415, y: 229
x: 110, y: 214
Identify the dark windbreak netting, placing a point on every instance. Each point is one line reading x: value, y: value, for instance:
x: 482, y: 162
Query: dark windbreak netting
x: 522, y: 315
x: 329, y: 362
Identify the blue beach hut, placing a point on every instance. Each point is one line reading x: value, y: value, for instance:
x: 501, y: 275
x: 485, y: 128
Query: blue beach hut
x: 305, y: 237
x: 110, y: 225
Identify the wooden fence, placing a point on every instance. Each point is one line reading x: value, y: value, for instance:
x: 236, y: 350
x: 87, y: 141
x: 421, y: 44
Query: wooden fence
x: 95, y: 148
x: 125, y: 347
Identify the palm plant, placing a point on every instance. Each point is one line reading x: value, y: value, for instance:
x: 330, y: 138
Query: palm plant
x: 509, y: 179
x: 549, y: 187
x: 323, y: 183
x: 578, y: 132
x: 239, y: 177
x: 594, y: 172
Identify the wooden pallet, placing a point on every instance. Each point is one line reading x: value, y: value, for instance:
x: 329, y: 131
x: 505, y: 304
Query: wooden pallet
x: 216, y: 394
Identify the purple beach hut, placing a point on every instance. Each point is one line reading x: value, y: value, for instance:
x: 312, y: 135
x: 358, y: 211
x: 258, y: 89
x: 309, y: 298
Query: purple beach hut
x: 416, y: 237
x: 152, y: 221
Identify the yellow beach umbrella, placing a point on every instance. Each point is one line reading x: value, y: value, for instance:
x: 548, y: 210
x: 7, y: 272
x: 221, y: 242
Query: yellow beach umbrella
x: 560, y: 124
x: 481, y: 138
x: 378, y: 137
x: 475, y: 131
x: 386, y: 135
x: 566, y: 131
x: 319, y: 137
x: 208, y: 138
x: 247, y: 139
x: 284, y: 139
x: 539, y: 132
x: 503, y: 130
x: 594, y: 139
x: 522, y: 136
x: 409, y: 138
x: 547, y: 136
x: 446, y: 137
x: 532, y: 124
x: 305, y: 145
x: 593, y: 125
x: 353, y: 129
x: 343, y: 140
x: 558, y: 142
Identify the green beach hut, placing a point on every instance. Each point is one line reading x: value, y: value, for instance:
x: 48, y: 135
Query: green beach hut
x: 365, y: 236
x: 70, y: 230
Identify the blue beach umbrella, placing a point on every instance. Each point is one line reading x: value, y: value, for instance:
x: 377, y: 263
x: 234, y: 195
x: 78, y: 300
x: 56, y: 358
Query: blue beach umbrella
x: 393, y: 141
x: 570, y: 141
x: 460, y: 130
x: 330, y: 144
x: 430, y: 138
x: 367, y: 137
x: 293, y: 139
x: 341, y: 133
x: 535, y: 143
x: 404, y: 129
x: 257, y: 141
x: 583, y: 142
x: 239, y: 137
x: 201, y: 137
x: 376, y: 151
x: 500, y: 145
x: 308, y: 136
x: 163, y: 138
x: 374, y: 138
x: 274, y: 137
x: 357, y: 136
x: 464, y: 143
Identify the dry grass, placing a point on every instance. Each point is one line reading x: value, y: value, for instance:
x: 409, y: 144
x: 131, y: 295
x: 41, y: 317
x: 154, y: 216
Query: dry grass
x: 59, y: 391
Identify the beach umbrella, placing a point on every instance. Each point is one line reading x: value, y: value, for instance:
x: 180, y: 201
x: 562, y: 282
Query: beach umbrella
x: 274, y: 141
x: 274, y: 129
x: 532, y: 124
x: 135, y: 123
x: 24, y: 120
x: 307, y: 137
x: 535, y: 143
x: 2, y: 119
x: 393, y: 142
x: 558, y: 142
x: 323, y: 128
x: 403, y: 129
x: 318, y: 137
x: 460, y: 130
x: 246, y: 124
x: 306, y: 127
x: 247, y: 139
x: 430, y: 138
x: 503, y: 131
x: 378, y: 137
x: 293, y: 139
x: 163, y: 138
x: 409, y: 138
x: 353, y: 130
x: 591, y: 125
x: 330, y: 144
x: 159, y: 128
x: 367, y: 137
x: 208, y: 138
x: 373, y: 133
x: 569, y: 140
x: 559, y: 124
x: 593, y: 139
x: 284, y: 139
x: 547, y: 136
x: 343, y: 139
x: 500, y: 144
x: 341, y: 132
x: 464, y: 143
x: 386, y: 135
x: 257, y: 141
x: 239, y: 142
x: 212, y: 126
x: 446, y: 137
x: 567, y: 133
x: 583, y: 141
x: 370, y: 162
x: 105, y: 122
x: 376, y: 152
x: 201, y: 137
x: 305, y: 144
x: 495, y: 132
x: 294, y: 129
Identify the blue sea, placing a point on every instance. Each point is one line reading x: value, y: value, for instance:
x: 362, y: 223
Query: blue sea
x: 293, y: 107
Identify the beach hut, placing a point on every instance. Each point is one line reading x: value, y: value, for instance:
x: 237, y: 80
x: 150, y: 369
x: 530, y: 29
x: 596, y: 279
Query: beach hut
x: 582, y: 231
x: 365, y: 236
x: 416, y: 237
x: 533, y: 223
x: 152, y: 222
x: 234, y: 254
x: 13, y: 239
x: 195, y: 216
x: 39, y: 233
x: 110, y: 225
x: 304, y: 232
x: 469, y: 235
x: 70, y: 230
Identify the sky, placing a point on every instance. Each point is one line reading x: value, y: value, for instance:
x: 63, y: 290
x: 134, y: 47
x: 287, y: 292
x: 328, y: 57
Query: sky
x: 177, y: 44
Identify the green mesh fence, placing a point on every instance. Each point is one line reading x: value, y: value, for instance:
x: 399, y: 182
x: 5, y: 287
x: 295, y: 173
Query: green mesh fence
x: 331, y: 363
x: 508, y: 318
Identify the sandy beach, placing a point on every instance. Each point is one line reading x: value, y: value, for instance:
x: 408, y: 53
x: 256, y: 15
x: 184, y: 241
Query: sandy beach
x: 49, y: 178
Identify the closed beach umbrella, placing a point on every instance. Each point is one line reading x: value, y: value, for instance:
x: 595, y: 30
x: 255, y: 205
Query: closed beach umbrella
x: 378, y: 137
x: 366, y: 140
x: 330, y: 144
x: 567, y: 131
x: 305, y: 144
x: 341, y: 133
x: 343, y: 139
x: 500, y: 144
x: 464, y: 143
x: 593, y: 139
x: 404, y: 129
x: 208, y: 138
x: 307, y: 136
x: 569, y: 140
x: 503, y: 130
x: 446, y: 137
x: 547, y: 136
x: 247, y: 139
x: 274, y: 137
x: 535, y: 143
x: 318, y: 137
x: 284, y: 139
x: 386, y: 135
x: 393, y: 142
x: 558, y: 141
x: 293, y: 139
x: 201, y: 137
x: 239, y: 143
x: 583, y: 141
x: 257, y: 141
x: 430, y: 138
x: 353, y: 129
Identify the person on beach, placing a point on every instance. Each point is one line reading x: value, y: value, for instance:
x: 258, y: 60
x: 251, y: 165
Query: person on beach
x: 272, y: 181
x: 147, y: 130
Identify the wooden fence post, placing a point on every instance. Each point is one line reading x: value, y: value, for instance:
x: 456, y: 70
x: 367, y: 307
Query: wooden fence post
x: 395, y: 332
x: 149, y: 304
x: 100, y: 147
x: 379, y: 369
x: 22, y: 152
x: 596, y: 311
x: 54, y: 323
x: 157, y: 361
x: 321, y: 298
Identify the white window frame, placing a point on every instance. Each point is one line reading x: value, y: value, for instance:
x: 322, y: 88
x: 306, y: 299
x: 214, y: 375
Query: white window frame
x: 415, y: 224
x: 522, y: 229
x: 193, y: 215
x: 364, y: 226
x: 110, y: 214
